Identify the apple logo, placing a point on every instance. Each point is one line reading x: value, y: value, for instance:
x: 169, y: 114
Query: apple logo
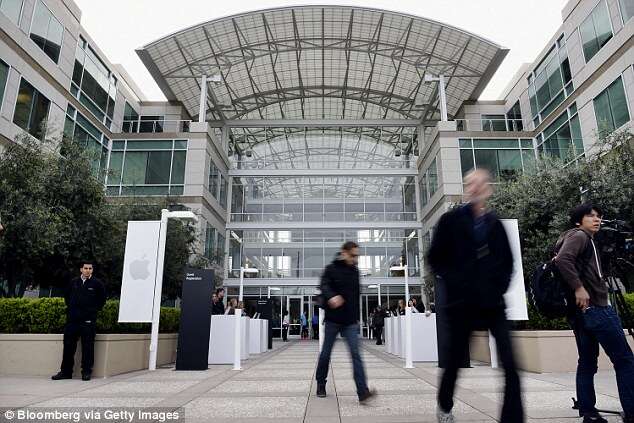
x: 139, y: 269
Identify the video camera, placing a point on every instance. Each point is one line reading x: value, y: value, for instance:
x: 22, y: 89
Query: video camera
x: 616, y: 238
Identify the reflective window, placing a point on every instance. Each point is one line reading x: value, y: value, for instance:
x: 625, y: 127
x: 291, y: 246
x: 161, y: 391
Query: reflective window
x: 627, y: 9
x: 610, y: 107
x: 147, y: 167
x: 596, y: 30
x: 213, y: 182
x: 151, y: 124
x: 95, y: 143
x: 210, y: 242
x: 550, y: 83
x: 4, y: 74
x: 562, y: 138
x: 11, y: 9
x: 428, y: 183
x: 31, y: 110
x: 514, y: 118
x: 130, y: 119
x: 504, y: 158
x: 93, y: 83
x: 493, y: 123
x: 46, y: 31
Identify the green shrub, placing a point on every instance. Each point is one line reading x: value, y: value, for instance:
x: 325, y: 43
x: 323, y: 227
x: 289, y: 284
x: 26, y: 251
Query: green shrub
x: 48, y: 315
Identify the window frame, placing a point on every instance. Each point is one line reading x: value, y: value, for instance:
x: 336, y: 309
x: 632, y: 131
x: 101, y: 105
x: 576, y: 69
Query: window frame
x: 627, y: 102
x: 48, y: 111
x: 623, y: 21
x: 19, y: 14
x: 6, y: 84
x: 578, y: 29
x: 58, y: 21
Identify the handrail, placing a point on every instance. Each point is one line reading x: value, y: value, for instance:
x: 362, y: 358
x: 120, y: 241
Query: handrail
x: 492, y: 125
x: 153, y: 126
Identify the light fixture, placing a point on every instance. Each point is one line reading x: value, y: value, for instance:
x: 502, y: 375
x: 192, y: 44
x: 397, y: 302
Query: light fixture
x: 248, y: 153
x: 397, y: 152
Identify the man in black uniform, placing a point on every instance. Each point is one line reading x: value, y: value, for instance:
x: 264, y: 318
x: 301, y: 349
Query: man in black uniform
x: 84, y: 297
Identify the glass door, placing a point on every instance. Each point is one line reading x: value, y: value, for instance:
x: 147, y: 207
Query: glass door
x: 294, y: 306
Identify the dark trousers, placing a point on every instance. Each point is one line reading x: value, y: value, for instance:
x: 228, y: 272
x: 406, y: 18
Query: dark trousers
x: 284, y: 333
x: 378, y: 335
x: 460, y: 324
x: 73, y: 331
x: 601, y: 326
x: 351, y: 334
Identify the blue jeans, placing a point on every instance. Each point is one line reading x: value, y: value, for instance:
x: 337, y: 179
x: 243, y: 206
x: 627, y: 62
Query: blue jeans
x: 351, y: 335
x: 601, y: 326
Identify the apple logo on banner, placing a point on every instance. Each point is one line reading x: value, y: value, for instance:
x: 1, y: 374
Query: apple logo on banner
x: 139, y: 269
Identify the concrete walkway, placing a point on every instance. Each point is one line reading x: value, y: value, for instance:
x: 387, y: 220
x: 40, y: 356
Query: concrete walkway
x: 278, y: 386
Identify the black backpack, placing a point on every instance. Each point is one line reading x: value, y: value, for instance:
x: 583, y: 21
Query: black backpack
x: 550, y: 294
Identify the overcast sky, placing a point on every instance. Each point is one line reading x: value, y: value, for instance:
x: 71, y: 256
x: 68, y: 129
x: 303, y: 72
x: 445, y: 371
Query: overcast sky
x: 121, y: 26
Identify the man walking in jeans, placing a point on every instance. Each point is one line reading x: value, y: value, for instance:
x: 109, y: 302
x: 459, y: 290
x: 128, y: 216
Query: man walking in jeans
x: 472, y: 260
x: 594, y: 321
x: 340, y: 288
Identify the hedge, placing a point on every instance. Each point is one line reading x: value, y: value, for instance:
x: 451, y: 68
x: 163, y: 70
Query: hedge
x: 537, y: 322
x: 48, y: 315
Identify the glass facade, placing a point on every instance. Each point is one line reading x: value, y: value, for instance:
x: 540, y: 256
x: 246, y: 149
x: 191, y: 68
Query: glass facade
x: 610, y: 107
x: 550, y: 83
x: 514, y: 118
x: 504, y: 158
x: 562, y: 138
x: 93, y: 83
x: 80, y: 130
x: 147, y: 167
x: 31, y: 110
x: 428, y: 183
x: 596, y: 30
x: 323, y: 199
x: 303, y: 253
x: 210, y: 243
x: 11, y: 9
x: 627, y: 9
x: 46, y: 31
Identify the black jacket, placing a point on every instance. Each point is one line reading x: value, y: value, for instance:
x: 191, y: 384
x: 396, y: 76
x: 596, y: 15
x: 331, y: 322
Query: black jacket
x: 218, y: 308
x: 378, y: 319
x: 84, y: 299
x: 340, y: 279
x: 468, y: 276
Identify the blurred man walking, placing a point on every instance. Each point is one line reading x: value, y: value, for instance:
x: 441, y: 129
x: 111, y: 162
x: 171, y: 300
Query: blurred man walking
x: 340, y: 289
x: 472, y: 260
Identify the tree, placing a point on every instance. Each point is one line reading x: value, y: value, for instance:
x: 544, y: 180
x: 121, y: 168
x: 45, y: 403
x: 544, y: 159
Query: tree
x: 541, y: 200
x: 55, y: 213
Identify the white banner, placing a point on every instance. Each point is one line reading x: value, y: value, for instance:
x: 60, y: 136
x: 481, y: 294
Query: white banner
x: 515, y: 296
x: 139, y: 271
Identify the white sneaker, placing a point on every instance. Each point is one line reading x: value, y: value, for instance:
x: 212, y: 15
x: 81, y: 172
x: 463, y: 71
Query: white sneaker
x: 444, y: 417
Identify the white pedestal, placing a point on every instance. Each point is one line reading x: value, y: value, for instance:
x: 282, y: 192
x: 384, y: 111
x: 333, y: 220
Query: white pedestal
x: 221, y: 339
x: 424, y: 339
x: 386, y: 334
x: 264, y: 338
x: 255, y: 336
x: 399, y: 323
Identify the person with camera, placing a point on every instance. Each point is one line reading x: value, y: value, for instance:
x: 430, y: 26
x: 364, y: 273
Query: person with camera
x: 84, y: 297
x: 473, y: 263
x: 594, y: 321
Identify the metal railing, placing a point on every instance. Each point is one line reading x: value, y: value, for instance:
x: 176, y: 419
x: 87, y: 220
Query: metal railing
x: 493, y: 125
x: 324, y: 217
x: 153, y: 126
x: 247, y: 163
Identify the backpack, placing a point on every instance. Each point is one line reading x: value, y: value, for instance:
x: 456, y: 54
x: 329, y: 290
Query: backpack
x: 550, y: 294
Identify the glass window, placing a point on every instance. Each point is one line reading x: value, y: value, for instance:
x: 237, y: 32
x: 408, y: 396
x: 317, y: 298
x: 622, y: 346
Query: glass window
x: 178, y: 167
x: 210, y: 241
x: 130, y: 119
x: 212, y: 183
x: 627, y: 9
x: 11, y: 9
x: 514, y: 117
x: 4, y: 74
x: 487, y: 159
x: 151, y: 124
x: 433, y: 178
x: 223, y: 191
x: 466, y: 160
x: 158, y: 167
x: 610, y: 107
x: 509, y: 163
x: 596, y: 30
x: 46, y: 31
x: 31, y: 110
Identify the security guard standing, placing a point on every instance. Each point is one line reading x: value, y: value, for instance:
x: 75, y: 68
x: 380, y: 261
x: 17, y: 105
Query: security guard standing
x: 84, y: 297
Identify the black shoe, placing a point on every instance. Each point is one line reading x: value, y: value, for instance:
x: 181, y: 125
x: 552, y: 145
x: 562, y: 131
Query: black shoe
x: 321, y: 391
x: 61, y: 375
x: 594, y: 418
x: 85, y: 376
x: 367, y: 395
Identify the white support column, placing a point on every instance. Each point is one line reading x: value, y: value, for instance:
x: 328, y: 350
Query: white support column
x: 202, y: 111
x: 158, y: 289
x: 443, y: 98
x: 237, y: 338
